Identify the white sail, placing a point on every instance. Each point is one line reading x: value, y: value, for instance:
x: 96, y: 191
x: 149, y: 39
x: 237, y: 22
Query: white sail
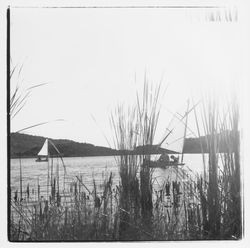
x: 44, y: 150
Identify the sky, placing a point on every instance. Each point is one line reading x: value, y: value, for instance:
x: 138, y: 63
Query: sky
x: 94, y: 59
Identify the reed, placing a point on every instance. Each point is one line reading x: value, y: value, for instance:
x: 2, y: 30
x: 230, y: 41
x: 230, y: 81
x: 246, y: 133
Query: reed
x: 184, y: 207
x: 126, y: 129
x: 148, y: 112
x: 125, y: 126
x: 133, y: 127
x: 103, y: 214
x: 86, y: 218
x: 220, y: 192
x: 19, y: 95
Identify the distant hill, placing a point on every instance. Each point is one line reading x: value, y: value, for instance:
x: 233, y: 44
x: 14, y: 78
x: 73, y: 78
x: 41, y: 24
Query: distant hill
x: 29, y: 145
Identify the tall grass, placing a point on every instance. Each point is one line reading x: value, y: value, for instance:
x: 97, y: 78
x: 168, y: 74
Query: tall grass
x: 19, y: 95
x: 220, y: 193
x: 133, y: 127
x: 148, y: 116
x: 185, y: 206
x: 126, y: 131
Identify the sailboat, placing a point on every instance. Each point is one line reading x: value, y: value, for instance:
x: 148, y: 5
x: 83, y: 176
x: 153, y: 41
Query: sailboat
x: 173, y: 141
x: 43, y: 154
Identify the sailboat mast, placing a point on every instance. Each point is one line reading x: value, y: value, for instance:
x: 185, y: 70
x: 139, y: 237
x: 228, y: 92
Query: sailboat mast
x: 185, y: 132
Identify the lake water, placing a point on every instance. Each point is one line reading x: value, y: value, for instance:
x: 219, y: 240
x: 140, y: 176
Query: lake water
x: 88, y: 168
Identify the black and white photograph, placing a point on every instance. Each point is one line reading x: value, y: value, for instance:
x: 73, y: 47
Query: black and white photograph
x: 124, y: 122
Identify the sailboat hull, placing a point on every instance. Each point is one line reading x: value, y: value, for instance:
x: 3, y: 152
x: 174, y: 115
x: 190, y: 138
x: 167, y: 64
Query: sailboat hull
x: 42, y: 159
